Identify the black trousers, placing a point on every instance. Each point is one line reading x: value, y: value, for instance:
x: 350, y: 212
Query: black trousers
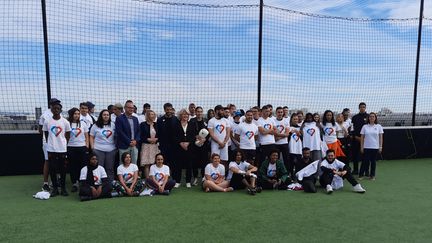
x: 183, y: 160
x: 308, y: 184
x: 327, y: 177
x: 265, y: 152
x: 77, y: 157
x: 57, y: 165
x: 284, y: 150
x: 85, y: 190
x: 267, y: 185
x: 356, y: 155
x: 201, y: 159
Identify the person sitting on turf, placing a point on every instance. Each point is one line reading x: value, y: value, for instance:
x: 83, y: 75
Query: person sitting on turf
x: 333, y: 173
x: 240, y: 174
x: 94, y: 182
x: 159, y: 177
x: 306, y: 171
x: 272, y: 173
x: 214, y: 176
x: 128, y: 183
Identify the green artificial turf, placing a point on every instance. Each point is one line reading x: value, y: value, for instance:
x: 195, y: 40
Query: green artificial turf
x: 397, y: 207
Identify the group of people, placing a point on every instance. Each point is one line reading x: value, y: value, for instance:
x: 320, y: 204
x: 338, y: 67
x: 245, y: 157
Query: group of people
x: 122, y: 153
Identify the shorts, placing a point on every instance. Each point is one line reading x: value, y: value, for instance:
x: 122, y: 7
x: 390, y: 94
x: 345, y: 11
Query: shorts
x: 223, y: 152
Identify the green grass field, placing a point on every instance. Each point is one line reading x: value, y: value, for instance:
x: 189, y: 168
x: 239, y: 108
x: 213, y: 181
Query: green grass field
x: 397, y: 207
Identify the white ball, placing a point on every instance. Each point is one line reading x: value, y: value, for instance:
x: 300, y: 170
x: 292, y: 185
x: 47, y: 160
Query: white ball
x: 203, y: 133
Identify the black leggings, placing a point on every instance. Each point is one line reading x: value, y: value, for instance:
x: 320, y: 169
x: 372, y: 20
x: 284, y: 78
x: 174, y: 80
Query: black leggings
x: 85, y: 191
x: 57, y: 164
x: 77, y: 157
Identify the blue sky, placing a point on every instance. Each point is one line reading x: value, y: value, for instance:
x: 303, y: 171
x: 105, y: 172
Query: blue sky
x: 110, y: 51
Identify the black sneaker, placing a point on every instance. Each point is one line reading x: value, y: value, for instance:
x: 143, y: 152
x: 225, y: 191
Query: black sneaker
x: 54, y: 192
x: 166, y: 192
x: 45, y: 187
x: 251, y: 191
x: 63, y: 192
x: 74, y: 188
x: 85, y: 198
x: 258, y: 189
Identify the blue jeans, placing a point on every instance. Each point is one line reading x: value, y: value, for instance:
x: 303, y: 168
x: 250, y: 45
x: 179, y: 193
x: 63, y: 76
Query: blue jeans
x: 369, y: 159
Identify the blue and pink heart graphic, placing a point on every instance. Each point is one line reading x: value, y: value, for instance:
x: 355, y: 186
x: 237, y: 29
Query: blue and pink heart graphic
x: 295, y: 137
x: 328, y: 130
x: 76, y: 131
x: 95, y: 178
x: 280, y: 128
x: 215, y: 176
x: 56, y: 130
x: 107, y: 133
x: 311, y: 131
x: 267, y: 126
x: 220, y: 128
x: 271, y: 173
x: 159, y: 176
x: 127, y: 176
x: 250, y: 134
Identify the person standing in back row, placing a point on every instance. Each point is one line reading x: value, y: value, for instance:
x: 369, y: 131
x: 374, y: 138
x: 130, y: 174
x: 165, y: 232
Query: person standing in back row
x: 358, y: 121
x: 219, y: 130
x: 128, y: 132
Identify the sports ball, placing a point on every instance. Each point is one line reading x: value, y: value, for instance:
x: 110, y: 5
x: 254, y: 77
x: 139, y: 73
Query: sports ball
x: 203, y: 133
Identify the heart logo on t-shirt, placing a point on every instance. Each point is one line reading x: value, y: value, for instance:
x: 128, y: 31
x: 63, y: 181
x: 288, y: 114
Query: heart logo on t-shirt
x: 95, y: 178
x: 328, y: 130
x: 127, y: 176
x: 76, y: 132
x: 249, y: 134
x: 295, y: 137
x: 220, y: 128
x: 56, y: 130
x: 280, y: 128
x: 310, y: 131
x: 107, y: 133
x: 159, y: 176
x: 271, y: 173
x: 267, y: 126
x: 215, y: 176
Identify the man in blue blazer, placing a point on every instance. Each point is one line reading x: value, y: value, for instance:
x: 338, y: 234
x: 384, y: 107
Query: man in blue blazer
x: 128, y: 132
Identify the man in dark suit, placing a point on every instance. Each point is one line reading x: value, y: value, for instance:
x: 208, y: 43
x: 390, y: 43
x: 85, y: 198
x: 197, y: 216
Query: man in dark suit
x: 127, y: 132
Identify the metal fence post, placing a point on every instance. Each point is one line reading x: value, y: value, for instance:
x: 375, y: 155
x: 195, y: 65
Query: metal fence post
x: 260, y: 50
x: 417, y: 63
x: 45, y: 35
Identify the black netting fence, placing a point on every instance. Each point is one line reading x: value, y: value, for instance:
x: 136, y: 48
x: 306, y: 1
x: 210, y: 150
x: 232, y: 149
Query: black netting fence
x: 207, y: 53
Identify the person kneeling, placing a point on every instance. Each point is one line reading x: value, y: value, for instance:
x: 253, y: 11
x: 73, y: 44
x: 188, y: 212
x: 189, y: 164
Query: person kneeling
x: 214, y: 176
x: 159, y: 177
x: 94, y: 182
x: 128, y: 183
x: 273, y: 174
x: 333, y: 173
x: 240, y: 174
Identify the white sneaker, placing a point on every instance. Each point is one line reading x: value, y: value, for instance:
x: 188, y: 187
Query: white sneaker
x: 177, y: 185
x: 358, y: 188
x: 188, y: 185
x: 195, y: 182
x: 329, y: 189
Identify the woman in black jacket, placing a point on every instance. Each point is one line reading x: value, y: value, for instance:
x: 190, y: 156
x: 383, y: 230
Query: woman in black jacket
x: 201, y: 146
x: 184, y: 134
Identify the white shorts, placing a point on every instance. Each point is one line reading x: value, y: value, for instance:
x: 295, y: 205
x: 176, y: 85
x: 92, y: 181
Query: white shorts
x: 223, y: 152
x: 44, y: 149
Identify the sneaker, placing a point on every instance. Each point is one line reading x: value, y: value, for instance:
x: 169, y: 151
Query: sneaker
x: 372, y: 178
x: 115, y: 194
x: 195, y: 182
x: 360, y: 178
x: 251, y: 191
x: 74, y: 188
x: 177, y: 185
x: 85, y: 198
x: 188, y: 185
x: 63, y: 192
x: 45, y: 187
x: 358, y: 188
x: 329, y: 189
x: 258, y: 189
x: 166, y: 192
x: 54, y: 192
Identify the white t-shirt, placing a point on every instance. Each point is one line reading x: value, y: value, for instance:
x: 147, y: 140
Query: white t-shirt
x: 247, y: 132
x: 219, y: 127
x: 371, y: 135
x: 347, y: 124
x: 98, y: 174
x: 56, y: 134
x: 330, y: 132
x: 340, y: 130
x: 46, y: 115
x: 104, y: 137
x: 243, y: 166
x: 295, y: 144
x: 271, y: 170
x: 282, y: 126
x: 159, y: 173
x: 311, y: 136
x: 87, y: 119
x: 336, y: 165
x: 77, y: 135
x: 215, y: 173
x: 267, y: 124
x: 127, y: 172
